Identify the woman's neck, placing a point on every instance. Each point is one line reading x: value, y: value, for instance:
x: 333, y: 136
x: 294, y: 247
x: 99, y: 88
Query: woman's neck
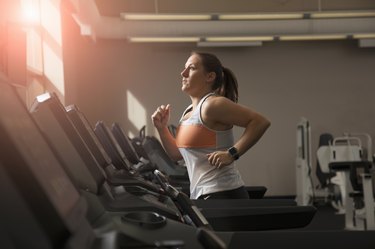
x: 196, y: 99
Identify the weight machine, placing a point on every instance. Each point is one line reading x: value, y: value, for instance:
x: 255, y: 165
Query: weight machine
x: 345, y: 171
x: 353, y: 161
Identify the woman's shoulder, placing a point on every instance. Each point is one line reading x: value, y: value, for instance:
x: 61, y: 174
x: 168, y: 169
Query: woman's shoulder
x: 214, y: 110
x: 217, y: 101
x: 215, y: 104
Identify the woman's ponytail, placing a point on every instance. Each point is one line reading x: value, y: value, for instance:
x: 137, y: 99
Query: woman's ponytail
x: 229, y: 87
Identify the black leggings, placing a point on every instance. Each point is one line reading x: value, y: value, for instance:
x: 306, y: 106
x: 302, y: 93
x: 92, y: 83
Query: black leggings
x: 238, y: 193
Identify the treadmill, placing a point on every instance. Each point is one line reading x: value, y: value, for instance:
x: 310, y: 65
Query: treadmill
x: 50, y: 210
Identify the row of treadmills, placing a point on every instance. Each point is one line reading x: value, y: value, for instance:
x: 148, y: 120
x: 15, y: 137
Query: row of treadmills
x: 65, y: 184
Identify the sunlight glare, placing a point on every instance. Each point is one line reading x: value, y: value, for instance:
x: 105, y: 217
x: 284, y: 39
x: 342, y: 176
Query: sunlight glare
x: 30, y: 11
x: 136, y: 112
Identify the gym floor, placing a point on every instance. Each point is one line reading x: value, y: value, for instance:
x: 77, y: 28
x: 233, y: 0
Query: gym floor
x: 326, y: 218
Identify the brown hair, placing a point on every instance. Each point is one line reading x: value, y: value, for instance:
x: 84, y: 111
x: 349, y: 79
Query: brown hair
x: 225, y: 82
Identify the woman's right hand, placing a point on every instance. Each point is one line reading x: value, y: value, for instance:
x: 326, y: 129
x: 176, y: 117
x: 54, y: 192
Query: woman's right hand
x: 160, y: 118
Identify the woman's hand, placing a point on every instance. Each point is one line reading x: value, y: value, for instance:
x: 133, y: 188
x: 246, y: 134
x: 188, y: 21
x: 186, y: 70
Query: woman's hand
x: 220, y: 159
x: 160, y: 117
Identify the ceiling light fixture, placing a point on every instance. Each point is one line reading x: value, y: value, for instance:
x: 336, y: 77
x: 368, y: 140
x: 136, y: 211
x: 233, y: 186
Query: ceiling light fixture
x: 163, y: 39
x: 238, y: 38
x: 364, y: 36
x: 353, y: 14
x: 260, y: 16
x: 166, y: 17
x: 229, y: 44
x: 312, y: 37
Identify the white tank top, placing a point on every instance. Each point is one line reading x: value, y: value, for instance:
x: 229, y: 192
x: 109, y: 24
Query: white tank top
x: 195, y: 141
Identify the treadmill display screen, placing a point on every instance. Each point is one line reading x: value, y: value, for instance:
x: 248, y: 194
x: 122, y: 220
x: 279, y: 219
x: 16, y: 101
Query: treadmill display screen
x: 87, y: 133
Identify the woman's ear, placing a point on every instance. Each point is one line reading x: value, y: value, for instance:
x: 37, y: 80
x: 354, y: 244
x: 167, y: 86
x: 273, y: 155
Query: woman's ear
x: 211, y: 77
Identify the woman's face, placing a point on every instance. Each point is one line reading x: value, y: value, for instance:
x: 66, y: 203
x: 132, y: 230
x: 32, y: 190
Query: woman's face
x: 194, y: 77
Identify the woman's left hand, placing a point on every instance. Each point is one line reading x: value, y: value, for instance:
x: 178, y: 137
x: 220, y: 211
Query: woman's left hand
x: 220, y: 159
